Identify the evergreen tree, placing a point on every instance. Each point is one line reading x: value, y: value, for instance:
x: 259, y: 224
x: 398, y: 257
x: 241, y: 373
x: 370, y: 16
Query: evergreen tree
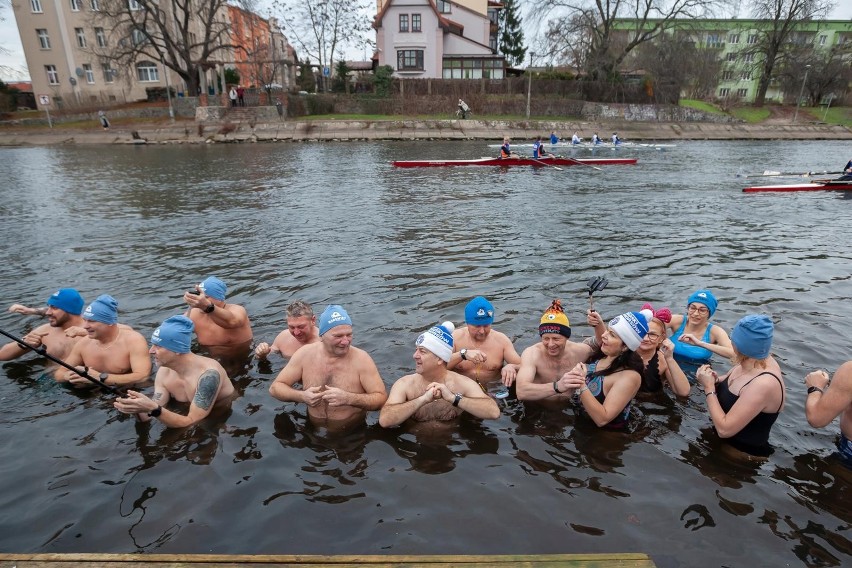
x: 511, y: 36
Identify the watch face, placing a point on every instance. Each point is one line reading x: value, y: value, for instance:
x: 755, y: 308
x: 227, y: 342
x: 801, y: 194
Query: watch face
x: 103, y: 376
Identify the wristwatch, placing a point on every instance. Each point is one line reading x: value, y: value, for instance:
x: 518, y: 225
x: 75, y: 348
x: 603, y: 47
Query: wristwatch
x: 463, y: 354
x: 156, y: 412
x: 814, y: 389
x: 103, y: 377
x: 210, y: 308
x: 457, y: 399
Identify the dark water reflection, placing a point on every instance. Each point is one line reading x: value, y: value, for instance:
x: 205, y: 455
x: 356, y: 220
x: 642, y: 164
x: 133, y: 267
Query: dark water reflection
x: 401, y: 250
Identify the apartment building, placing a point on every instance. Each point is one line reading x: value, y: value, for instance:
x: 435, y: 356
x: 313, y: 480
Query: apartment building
x: 439, y: 39
x: 735, y: 41
x: 266, y: 57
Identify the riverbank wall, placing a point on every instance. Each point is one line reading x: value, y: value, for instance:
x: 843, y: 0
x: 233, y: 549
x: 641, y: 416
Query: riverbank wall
x: 353, y: 130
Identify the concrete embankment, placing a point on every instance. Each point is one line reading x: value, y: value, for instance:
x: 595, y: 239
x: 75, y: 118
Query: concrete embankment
x: 331, y: 130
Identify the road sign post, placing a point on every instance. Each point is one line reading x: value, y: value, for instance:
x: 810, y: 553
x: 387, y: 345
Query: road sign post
x: 44, y: 100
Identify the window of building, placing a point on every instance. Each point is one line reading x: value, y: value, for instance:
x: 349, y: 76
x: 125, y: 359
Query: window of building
x: 96, y: 6
x: 749, y: 57
x: 147, y: 72
x: 724, y: 92
x: 742, y: 93
x: 81, y: 37
x: 409, y: 60
x: 36, y: 6
x: 473, y: 68
x: 137, y: 37
x: 727, y: 75
x: 403, y: 22
x: 752, y: 39
x: 713, y: 40
x: 133, y: 5
x: 745, y: 75
x: 822, y: 39
x: 52, y: 74
x: 76, y: 5
x: 90, y: 75
x: 733, y: 38
x: 43, y: 39
x: 100, y: 37
x: 732, y: 57
x: 109, y: 73
x: 415, y: 22
x: 444, y: 7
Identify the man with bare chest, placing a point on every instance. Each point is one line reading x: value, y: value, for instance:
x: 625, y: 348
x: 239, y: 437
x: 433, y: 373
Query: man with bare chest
x: 63, y: 312
x: 115, y: 354
x: 340, y: 382
x: 544, y: 366
x: 434, y: 393
x: 217, y: 324
x: 183, y: 376
x: 480, y: 351
x: 301, y: 330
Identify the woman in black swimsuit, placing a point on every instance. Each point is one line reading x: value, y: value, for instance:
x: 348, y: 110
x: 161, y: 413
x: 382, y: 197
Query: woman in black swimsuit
x: 657, y: 353
x: 745, y: 403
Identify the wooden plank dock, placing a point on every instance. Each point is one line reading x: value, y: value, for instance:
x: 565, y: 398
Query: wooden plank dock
x: 620, y: 560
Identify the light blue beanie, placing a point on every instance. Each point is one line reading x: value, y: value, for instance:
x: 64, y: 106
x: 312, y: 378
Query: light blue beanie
x: 104, y: 309
x: 333, y: 316
x: 174, y: 334
x: 214, y: 288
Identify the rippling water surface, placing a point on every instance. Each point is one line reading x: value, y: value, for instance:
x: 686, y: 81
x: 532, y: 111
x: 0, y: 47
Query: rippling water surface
x: 402, y: 249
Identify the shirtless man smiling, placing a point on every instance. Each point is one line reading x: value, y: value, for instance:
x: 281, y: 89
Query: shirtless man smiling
x: 63, y: 312
x: 340, y: 382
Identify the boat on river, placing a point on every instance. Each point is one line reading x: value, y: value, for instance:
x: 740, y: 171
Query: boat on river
x: 816, y: 185
x: 507, y: 162
x: 601, y: 146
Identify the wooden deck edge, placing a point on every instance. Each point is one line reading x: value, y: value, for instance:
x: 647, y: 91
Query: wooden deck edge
x: 623, y: 559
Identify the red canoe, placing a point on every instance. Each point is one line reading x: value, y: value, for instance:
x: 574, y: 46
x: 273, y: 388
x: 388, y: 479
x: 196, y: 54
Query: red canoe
x: 821, y: 185
x: 515, y: 162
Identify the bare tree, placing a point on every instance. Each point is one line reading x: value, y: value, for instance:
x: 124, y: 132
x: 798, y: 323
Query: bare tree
x: 782, y: 18
x: 607, y: 42
x: 825, y: 72
x: 320, y: 28
x: 185, y: 35
x: 674, y: 64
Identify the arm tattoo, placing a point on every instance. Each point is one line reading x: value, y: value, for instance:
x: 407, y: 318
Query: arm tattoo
x: 158, y: 395
x: 208, y: 386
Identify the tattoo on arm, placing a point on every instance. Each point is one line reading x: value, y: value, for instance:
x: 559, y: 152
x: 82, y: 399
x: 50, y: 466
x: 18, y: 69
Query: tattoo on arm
x: 158, y: 395
x: 208, y: 386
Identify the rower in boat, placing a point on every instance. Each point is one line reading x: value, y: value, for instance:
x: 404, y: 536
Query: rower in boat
x: 847, y: 172
x: 615, y: 139
x: 576, y: 139
x: 554, y: 139
x: 539, y: 151
x: 506, y: 150
x: 596, y: 140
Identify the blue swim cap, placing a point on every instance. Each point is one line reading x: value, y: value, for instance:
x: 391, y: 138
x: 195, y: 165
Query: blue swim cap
x: 333, y: 316
x: 174, y: 334
x: 752, y: 336
x: 479, y: 311
x: 214, y: 288
x: 68, y: 300
x: 705, y: 297
x: 104, y: 309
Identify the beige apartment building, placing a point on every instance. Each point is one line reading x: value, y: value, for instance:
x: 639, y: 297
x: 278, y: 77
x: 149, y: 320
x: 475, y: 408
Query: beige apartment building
x: 62, y: 39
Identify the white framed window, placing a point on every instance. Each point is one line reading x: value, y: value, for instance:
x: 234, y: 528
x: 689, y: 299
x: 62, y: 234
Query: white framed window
x: 403, y: 22
x: 76, y: 5
x: 36, y: 6
x: 727, y: 75
x: 732, y: 57
x: 43, y: 39
x: 134, y: 5
x: 745, y: 76
x: 733, y: 38
x: 724, y: 92
x: 81, y: 37
x: 100, y: 37
x: 109, y: 73
x: 90, y: 75
x: 96, y: 6
x: 416, y: 22
x: 137, y: 37
x: 752, y: 39
x: 52, y: 74
x: 713, y: 40
x: 742, y: 93
x: 409, y: 60
x: 749, y: 57
x: 822, y: 39
x: 147, y: 72
x: 444, y: 7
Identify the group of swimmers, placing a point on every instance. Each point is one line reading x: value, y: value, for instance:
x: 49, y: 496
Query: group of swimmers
x: 644, y: 350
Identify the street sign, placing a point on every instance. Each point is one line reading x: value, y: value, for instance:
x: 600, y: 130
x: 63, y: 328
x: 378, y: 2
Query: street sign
x: 326, y: 72
x: 44, y: 100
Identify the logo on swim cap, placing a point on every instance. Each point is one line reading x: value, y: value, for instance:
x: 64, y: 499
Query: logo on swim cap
x: 481, y: 313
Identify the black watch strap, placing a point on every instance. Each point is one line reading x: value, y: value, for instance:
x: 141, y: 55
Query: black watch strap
x: 210, y: 308
x: 457, y: 400
x: 156, y: 412
x: 815, y: 389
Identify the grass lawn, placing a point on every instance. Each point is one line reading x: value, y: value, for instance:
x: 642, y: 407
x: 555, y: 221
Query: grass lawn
x: 701, y: 105
x: 835, y: 115
x: 751, y: 115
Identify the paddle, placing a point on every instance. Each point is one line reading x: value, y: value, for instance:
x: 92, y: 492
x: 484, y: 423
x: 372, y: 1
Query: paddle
x: 596, y: 284
x: 536, y: 160
x: 768, y: 173
x: 42, y: 350
x: 581, y: 163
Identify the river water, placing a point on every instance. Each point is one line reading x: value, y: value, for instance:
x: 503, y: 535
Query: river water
x: 401, y: 250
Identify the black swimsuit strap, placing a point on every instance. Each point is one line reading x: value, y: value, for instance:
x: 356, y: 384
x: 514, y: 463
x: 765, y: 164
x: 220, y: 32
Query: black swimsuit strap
x: 777, y: 378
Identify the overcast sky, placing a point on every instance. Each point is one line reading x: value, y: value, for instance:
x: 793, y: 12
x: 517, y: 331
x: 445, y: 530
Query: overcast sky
x: 13, y: 66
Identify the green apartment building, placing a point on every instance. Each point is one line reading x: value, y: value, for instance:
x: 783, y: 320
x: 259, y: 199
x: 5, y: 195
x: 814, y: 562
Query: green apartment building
x: 736, y: 39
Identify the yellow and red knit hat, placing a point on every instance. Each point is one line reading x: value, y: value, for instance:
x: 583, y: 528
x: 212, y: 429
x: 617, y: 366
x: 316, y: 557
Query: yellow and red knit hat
x: 554, y: 320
